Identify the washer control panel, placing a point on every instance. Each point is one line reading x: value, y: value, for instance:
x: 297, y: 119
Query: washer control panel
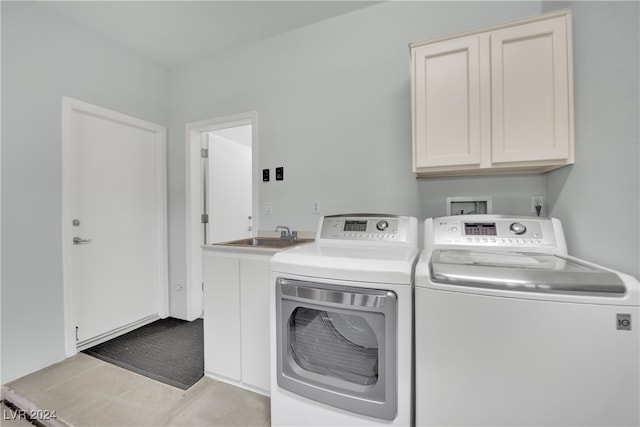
x: 467, y: 230
x: 365, y: 228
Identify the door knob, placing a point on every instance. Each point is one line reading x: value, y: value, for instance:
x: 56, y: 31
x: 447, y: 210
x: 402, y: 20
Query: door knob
x: 80, y: 241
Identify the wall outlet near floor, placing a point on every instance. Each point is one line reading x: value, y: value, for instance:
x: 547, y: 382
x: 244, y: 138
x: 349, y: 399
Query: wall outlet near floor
x: 537, y: 201
x: 316, y: 207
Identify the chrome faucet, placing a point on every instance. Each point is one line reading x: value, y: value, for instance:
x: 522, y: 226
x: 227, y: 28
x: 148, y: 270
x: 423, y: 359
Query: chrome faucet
x: 286, y: 233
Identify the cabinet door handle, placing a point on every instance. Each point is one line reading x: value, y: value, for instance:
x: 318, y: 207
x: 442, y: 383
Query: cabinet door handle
x: 80, y: 241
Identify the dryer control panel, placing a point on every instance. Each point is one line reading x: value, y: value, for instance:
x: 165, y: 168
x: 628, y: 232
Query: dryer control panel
x: 368, y: 228
x: 494, y: 231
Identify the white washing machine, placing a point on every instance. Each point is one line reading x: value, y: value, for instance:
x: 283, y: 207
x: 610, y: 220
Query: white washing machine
x: 511, y: 331
x: 341, y: 324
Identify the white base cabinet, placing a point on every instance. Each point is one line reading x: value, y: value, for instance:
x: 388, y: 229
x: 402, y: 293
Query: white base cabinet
x: 254, y: 320
x: 498, y: 100
x: 236, y: 318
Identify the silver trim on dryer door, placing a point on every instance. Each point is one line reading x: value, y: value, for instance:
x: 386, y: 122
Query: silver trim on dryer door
x: 295, y: 289
x: 315, y: 322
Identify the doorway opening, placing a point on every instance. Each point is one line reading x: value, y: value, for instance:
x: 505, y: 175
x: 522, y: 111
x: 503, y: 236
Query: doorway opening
x: 222, y: 159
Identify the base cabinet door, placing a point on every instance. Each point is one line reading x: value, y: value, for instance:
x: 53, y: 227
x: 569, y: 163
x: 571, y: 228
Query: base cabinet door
x: 254, y: 321
x: 222, y: 316
x: 236, y: 318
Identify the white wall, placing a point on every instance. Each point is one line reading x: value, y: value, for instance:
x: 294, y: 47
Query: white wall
x: 44, y: 58
x: 333, y: 101
x: 598, y: 198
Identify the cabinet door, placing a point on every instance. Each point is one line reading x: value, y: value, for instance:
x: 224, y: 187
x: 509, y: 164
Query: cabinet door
x: 530, y: 84
x: 254, y: 291
x: 446, y: 78
x: 222, y: 315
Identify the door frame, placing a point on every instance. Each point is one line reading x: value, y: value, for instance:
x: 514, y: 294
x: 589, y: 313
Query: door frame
x: 193, y: 135
x: 69, y: 107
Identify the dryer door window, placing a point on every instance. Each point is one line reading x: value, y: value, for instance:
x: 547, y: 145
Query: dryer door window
x: 337, y: 345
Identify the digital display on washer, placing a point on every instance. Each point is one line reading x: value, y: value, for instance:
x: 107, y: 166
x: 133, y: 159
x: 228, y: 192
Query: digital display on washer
x: 480, y: 229
x: 351, y: 225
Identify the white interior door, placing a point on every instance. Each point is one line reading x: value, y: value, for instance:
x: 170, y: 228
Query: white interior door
x: 195, y: 133
x: 114, y: 225
x: 230, y: 184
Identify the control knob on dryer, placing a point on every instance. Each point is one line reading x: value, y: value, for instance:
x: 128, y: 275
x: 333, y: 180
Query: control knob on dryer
x: 517, y: 228
x: 382, y: 225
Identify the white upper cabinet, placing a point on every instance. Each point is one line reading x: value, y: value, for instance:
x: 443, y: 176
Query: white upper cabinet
x: 447, y: 99
x: 494, y: 101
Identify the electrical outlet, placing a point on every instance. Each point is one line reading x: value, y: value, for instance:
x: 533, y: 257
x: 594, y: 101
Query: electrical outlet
x: 537, y: 201
x: 316, y: 207
x: 267, y: 208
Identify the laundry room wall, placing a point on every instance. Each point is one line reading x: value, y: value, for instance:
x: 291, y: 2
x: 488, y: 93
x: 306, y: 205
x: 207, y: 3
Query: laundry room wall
x: 333, y: 103
x: 43, y: 59
x: 597, y: 198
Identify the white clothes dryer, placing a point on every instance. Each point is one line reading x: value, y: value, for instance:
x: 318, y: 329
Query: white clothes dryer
x: 510, y: 330
x: 341, y: 324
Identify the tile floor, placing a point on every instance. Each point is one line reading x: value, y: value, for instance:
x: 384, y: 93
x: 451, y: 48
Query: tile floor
x: 85, y: 391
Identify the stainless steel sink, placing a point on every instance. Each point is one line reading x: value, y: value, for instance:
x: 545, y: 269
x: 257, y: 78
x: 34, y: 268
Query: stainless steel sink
x: 265, y: 242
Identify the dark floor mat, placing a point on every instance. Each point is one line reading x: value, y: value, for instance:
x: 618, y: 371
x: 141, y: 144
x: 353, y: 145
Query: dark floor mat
x: 168, y: 350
